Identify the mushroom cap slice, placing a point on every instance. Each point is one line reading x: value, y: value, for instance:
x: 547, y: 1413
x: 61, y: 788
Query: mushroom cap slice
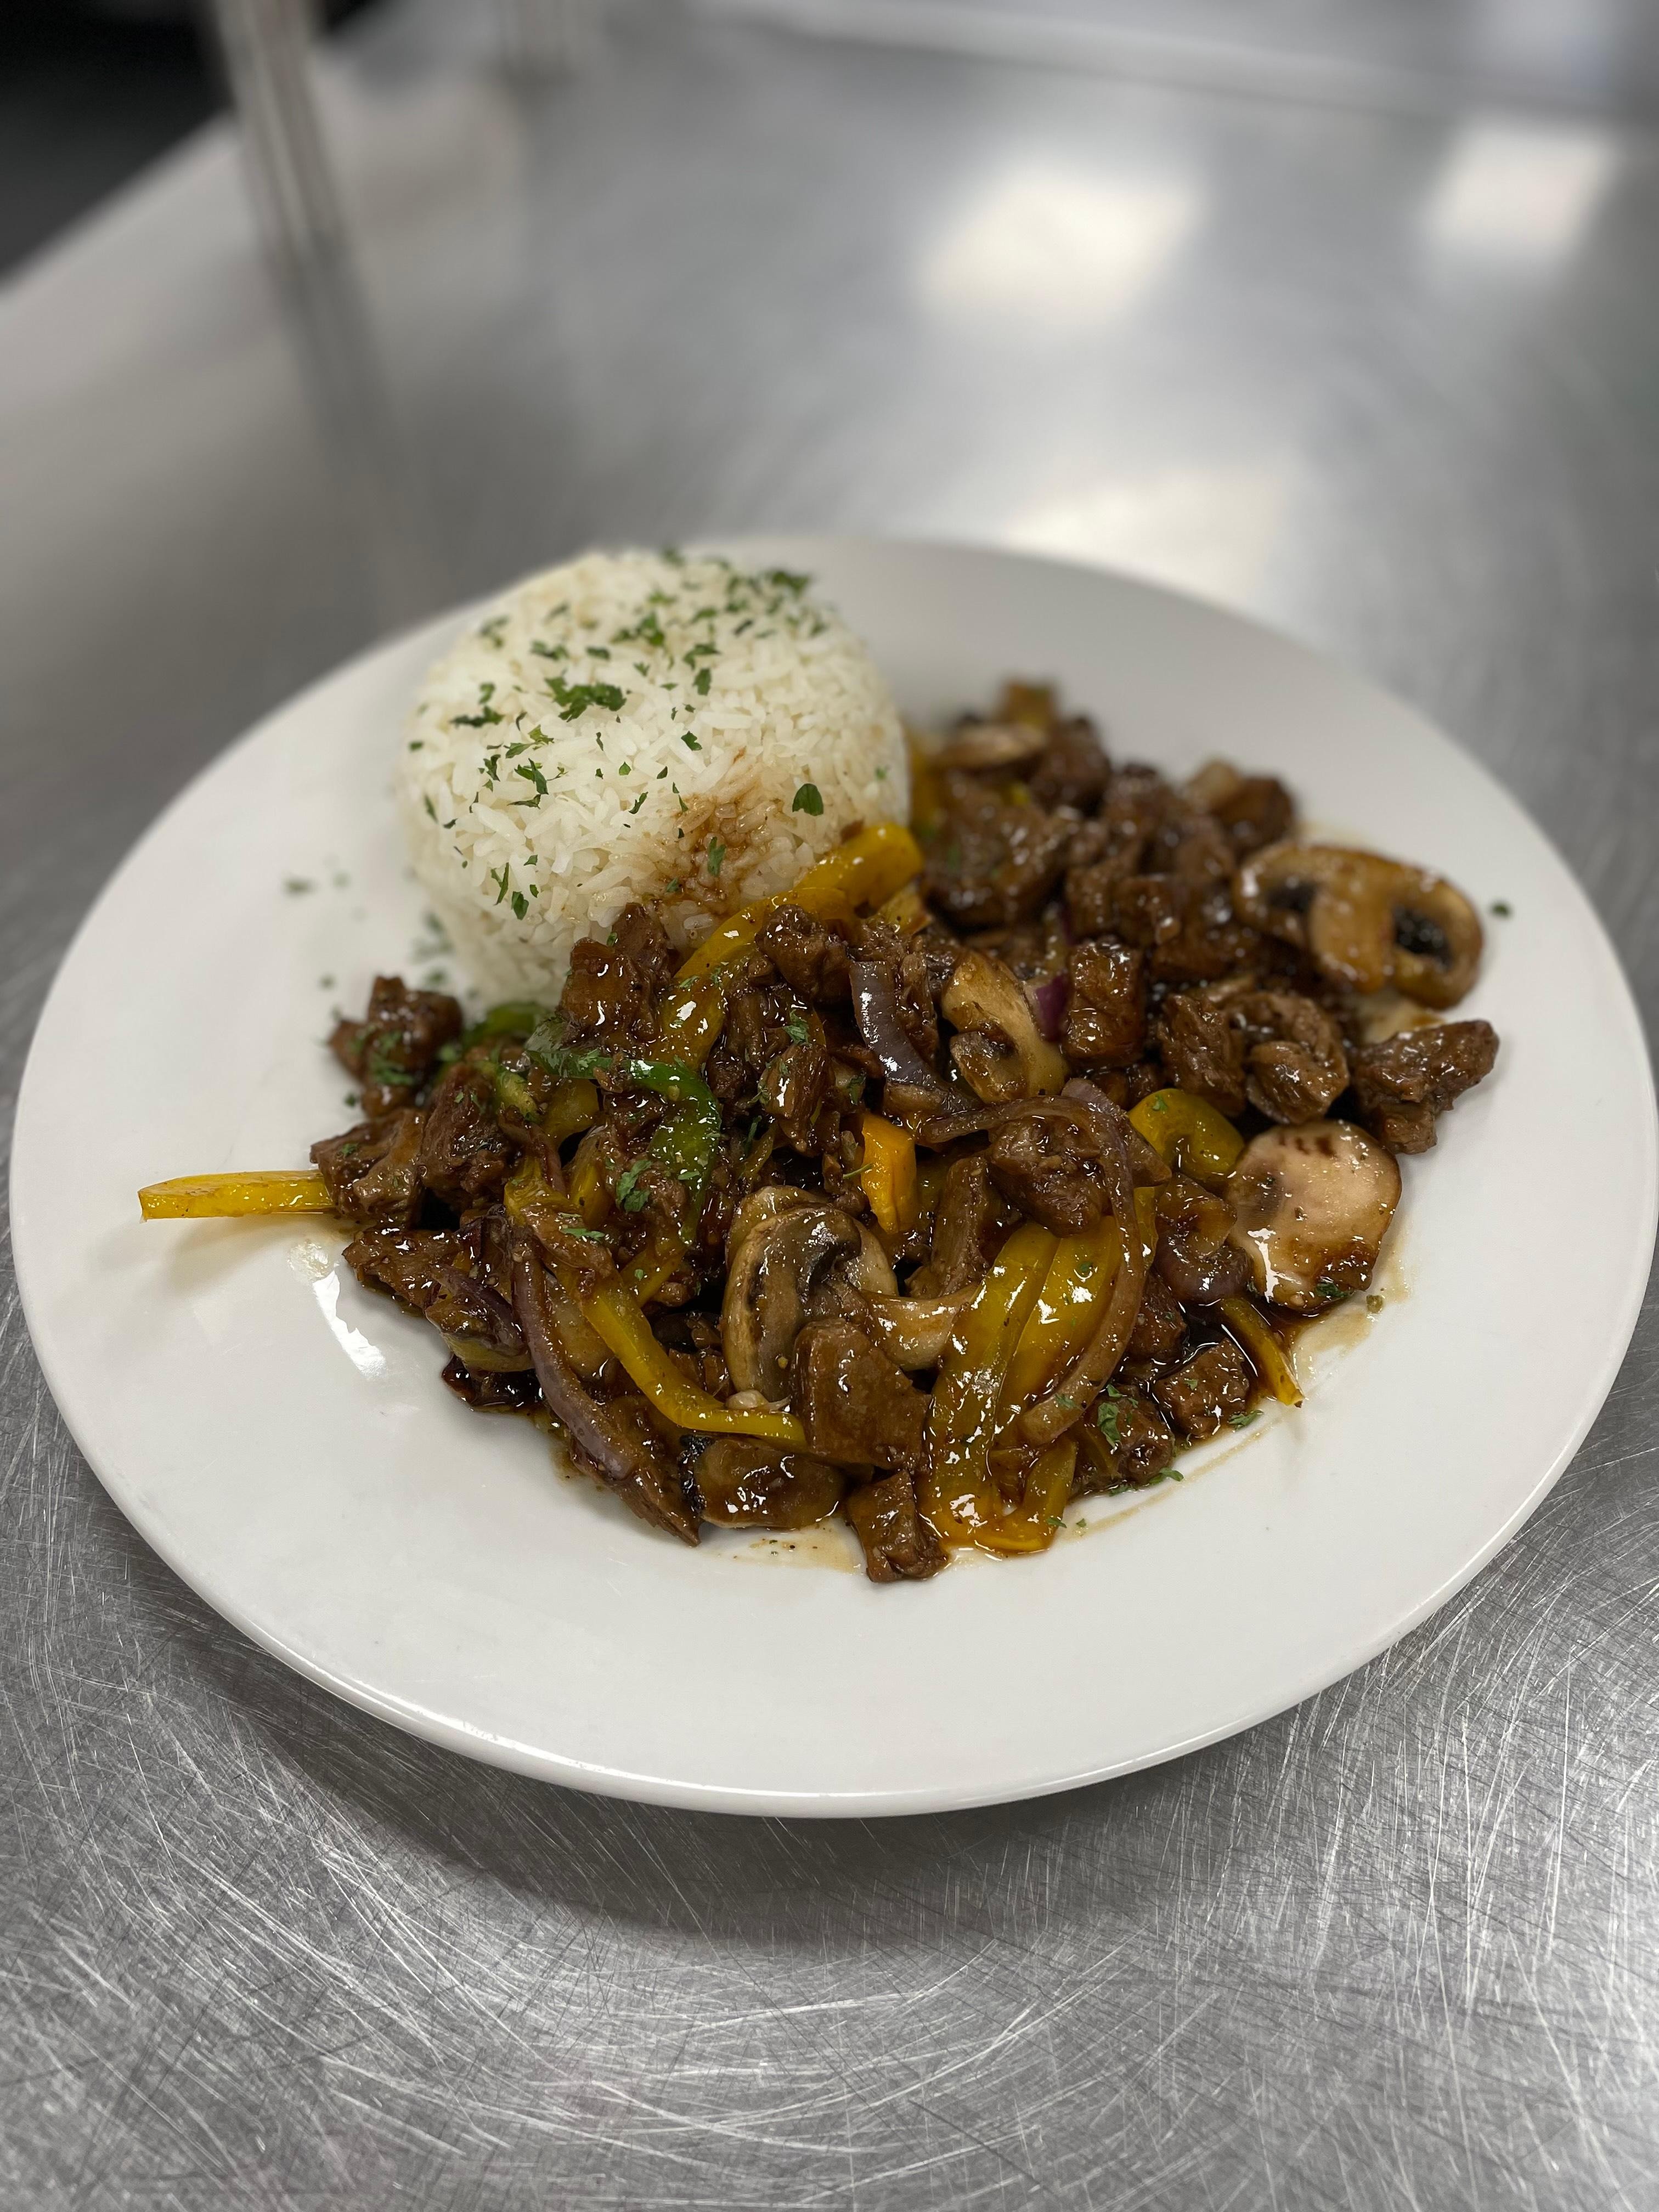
x: 1312, y: 1206
x: 792, y: 1263
x: 984, y: 996
x: 1365, y: 921
x: 979, y: 746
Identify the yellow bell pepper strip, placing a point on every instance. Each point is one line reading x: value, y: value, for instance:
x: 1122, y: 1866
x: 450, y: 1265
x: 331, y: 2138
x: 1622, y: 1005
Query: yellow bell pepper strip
x: 1081, y: 1383
x: 958, y: 1493
x: 645, y: 1275
x: 1189, y: 1134
x: 1262, y: 1348
x: 693, y: 1018
x: 862, y: 873
x: 549, y: 1214
x: 615, y: 1312
x: 907, y: 909
x: 1074, y: 1290
x: 590, y: 1192
x: 244, y: 1190
x: 888, y: 1177
x: 926, y: 786
x: 1033, y: 1524
x: 572, y: 1108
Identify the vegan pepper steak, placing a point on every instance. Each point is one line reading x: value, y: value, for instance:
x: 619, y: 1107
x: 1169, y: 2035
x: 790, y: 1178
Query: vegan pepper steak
x: 999, y: 1160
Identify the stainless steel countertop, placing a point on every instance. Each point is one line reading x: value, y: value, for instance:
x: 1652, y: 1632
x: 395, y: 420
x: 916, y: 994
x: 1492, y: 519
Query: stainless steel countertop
x: 1392, y: 381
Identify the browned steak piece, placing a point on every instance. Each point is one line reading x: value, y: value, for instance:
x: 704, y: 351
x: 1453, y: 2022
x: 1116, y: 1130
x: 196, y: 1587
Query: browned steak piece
x: 464, y: 1154
x: 812, y: 956
x: 373, y: 1172
x: 1123, y: 1443
x: 991, y: 864
x: 394, y: 1049
x: 856, y: 1406
x: 898, y: 1544
x: 1046, y: 1161
x: 1105, y: 1023
x: 1072, y: 769
x: 1213, y: 1384
x: 1402, y: 1084
x: 969, y: 1222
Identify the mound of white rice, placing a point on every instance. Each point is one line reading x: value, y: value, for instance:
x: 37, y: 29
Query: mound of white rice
x: 638, y: 725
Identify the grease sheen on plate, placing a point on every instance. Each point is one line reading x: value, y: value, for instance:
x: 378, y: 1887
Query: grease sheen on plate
x: 274, y: 1434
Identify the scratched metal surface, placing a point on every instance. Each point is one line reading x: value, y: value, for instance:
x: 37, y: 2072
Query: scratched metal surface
x: 1390, y: 381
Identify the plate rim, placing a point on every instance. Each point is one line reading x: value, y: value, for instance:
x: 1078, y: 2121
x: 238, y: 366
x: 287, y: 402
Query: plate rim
x: 593, y: 1778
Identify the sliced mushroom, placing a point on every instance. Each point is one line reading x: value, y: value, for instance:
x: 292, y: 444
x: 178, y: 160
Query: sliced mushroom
x: 1365, y: 921
x: 984, y: 998
x: 990, y: 745
x: 793, y: 1263
x: 1313, y: 1205
x: 913, y: 1332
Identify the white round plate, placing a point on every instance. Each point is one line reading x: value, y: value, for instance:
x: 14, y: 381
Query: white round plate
x: 282, y: 1438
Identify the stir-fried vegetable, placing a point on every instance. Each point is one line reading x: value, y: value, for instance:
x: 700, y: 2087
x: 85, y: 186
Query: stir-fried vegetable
x: 688, y: 1140
x: 862, y: 873
x: 244, y: 1190
x: 1074, y: 1292
x: 618, y: 1317
x: 514, y: 1017
x: 959, y: 1493
x: 574, y: 1106
x: 1189, y: 1133
x: 1263, y: 1349
x: 692, y: 1020
x: 888, y: 1177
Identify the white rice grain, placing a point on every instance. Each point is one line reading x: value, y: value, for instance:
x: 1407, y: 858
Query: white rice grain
x: 638, y: 725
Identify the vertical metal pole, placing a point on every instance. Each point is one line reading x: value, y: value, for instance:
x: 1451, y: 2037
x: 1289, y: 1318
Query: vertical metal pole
x: 266, y: 46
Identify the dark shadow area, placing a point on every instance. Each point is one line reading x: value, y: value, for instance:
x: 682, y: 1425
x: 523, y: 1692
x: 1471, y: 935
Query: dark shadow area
x: 91, y: 92
x: 87, y: 100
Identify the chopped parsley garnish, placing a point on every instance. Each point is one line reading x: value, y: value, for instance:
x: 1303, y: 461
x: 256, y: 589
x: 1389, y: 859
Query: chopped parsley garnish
x: 1327, y: 1289
x: 809, y: 800
x: 688, y: 738
x: 704, y: 678
x: 1106, y: 1417
x: 486, y: 713
x: 564, y: 1063
x: 629, y: 1196
x: 797, y: 1030
x: 491, y: 630
x: 716, y: 855
x: 532, y: 774
x: 1502, y: 909
x: 575, y: 699
x: 1244, y: 1421
x: 520, y: 904
x: 293, y: 885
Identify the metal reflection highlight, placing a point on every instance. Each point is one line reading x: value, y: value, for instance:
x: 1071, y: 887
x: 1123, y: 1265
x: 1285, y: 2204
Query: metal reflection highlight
x: 1060, y: 247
